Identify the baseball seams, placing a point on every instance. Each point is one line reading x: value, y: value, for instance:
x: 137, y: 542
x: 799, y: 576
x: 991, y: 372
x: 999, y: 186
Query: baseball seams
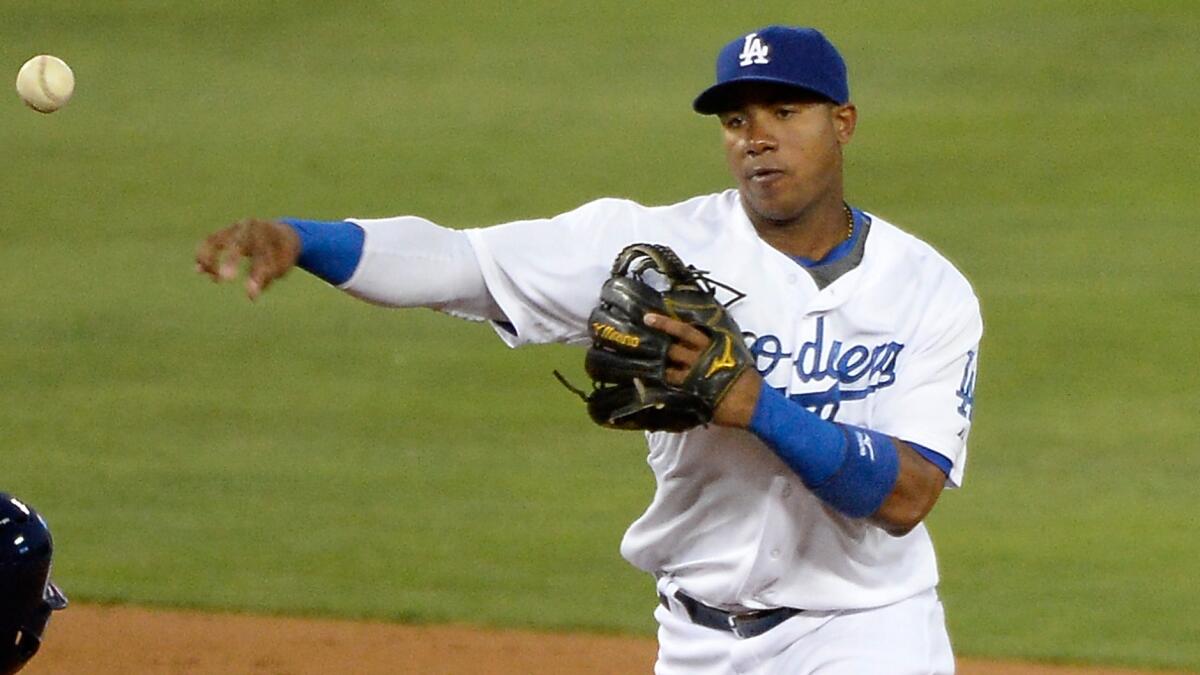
x: 44, y: 86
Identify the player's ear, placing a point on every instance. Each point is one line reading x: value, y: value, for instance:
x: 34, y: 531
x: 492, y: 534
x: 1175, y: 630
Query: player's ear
x: 845, y: 117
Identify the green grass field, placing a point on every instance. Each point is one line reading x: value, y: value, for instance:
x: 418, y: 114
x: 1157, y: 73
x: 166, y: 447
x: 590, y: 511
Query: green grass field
x: 314, y: 455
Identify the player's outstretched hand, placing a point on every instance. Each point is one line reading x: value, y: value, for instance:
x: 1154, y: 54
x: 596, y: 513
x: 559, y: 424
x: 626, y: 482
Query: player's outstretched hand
x: 737, y: 406
x: 271, y: 248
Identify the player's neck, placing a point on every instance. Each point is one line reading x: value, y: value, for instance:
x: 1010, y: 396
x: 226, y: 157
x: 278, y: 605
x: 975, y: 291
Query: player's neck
x: 812, y: 234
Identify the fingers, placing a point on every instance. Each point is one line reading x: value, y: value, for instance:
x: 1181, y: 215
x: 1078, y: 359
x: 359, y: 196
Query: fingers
x: 262, y: 263
x: 680, y: 361
x: 685, y: 334
x: 254, y: 286
x: 240, y: 245
x: 683, y: 354
x: 221, y: 252
x: 264, y: 268
x: 211, y: 251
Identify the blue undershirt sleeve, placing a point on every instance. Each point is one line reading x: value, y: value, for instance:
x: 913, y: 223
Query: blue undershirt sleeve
x: 935, y: 458
x: 851, y: 468
x: 330, y: 250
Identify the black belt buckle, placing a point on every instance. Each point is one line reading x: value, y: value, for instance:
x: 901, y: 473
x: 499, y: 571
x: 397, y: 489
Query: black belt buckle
x: 735, y: 626
x: 753, y: 624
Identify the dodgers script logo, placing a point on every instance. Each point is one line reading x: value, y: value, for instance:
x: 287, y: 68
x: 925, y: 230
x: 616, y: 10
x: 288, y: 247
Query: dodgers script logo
x: 855, y: 370
x: 754, y: 51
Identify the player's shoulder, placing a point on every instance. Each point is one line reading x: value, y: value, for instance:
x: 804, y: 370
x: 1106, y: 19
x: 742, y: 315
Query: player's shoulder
x: 908, y: 255
x: 705, y: 208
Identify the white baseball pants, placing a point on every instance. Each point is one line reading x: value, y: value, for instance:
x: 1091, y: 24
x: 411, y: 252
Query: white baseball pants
x: 905, y: 638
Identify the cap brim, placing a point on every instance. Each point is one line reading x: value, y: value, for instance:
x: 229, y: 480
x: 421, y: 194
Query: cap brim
x: 716, y: 99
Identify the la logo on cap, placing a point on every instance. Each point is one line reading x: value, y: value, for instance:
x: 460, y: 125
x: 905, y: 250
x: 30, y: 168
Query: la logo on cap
x: 754, y: 51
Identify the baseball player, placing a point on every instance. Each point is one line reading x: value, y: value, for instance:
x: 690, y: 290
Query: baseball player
x: 27, y: 596
x: 785, y: 536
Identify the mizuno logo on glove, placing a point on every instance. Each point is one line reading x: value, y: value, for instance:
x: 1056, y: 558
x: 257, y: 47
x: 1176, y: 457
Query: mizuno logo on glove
x: 725, y: 360
x: 611, y: 334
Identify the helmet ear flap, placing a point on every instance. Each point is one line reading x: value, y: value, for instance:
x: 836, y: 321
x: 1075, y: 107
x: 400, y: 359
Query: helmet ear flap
x: 29, y: 636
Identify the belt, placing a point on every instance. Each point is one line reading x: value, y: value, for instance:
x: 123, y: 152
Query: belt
x: 741, y: 624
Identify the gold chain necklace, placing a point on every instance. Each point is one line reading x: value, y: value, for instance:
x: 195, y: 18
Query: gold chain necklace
x: 849, y: 222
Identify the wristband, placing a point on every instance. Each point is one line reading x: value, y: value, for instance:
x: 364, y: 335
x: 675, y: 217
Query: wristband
x: 850, y: 468
x: 329, y: 250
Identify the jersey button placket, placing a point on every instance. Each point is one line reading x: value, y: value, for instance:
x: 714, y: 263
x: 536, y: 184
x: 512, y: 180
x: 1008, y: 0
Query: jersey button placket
x: 768, y: 569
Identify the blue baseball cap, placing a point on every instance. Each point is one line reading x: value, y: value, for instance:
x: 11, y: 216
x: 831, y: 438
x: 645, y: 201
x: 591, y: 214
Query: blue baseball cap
x: 796, y: 57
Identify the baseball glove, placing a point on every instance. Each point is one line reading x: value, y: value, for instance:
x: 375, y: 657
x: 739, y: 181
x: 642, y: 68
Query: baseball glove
x: 628, y: 360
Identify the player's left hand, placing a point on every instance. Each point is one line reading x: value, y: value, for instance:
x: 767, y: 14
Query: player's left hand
x: 636, y: 383
x: 737, y: 406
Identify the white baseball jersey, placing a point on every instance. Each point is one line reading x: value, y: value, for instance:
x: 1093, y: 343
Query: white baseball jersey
x: 886, y: 338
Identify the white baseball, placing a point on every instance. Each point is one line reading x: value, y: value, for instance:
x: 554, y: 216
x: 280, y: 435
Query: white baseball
x: 45, y: 83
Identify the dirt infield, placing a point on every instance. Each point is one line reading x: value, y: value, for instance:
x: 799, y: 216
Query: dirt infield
x: 103, y: 640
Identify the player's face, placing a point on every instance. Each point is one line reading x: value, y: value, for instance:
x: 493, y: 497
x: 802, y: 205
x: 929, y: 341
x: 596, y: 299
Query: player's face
x: 784, y: 148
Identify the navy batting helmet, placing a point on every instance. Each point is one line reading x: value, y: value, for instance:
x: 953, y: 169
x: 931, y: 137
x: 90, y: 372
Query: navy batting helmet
x: 27, y: 596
